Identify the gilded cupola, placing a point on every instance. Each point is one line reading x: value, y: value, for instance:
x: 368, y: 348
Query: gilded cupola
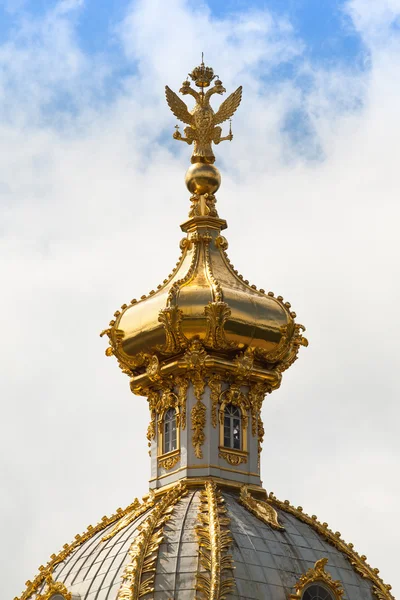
x: 205, y: 304
x: 204, y: 349
x: 205, y: 338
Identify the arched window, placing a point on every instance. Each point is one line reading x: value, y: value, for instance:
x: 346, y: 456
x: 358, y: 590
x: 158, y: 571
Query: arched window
x: 170, y: 430
x: 232, y: 427
x: 317, y: 592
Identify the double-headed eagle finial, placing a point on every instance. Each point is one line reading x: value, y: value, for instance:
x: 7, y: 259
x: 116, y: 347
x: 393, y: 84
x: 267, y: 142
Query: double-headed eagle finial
x: 202, y: 122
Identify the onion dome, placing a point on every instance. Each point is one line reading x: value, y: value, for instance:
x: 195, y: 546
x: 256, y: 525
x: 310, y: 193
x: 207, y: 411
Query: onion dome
x: 205, y: 301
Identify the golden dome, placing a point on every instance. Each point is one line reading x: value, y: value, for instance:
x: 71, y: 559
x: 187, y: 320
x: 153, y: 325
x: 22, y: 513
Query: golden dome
x: 205, y: 305
x: 206, y: 300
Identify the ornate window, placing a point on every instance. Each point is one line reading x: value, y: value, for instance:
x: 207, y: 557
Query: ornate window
x: 233, y: 419
x: 170, y: 433
x: 317, y: 584
x: 232, y: 427
x: 317, y: 592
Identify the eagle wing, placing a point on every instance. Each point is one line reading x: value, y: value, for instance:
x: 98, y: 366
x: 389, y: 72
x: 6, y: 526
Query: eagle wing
x: 228, y: 107
x: 178, y: 106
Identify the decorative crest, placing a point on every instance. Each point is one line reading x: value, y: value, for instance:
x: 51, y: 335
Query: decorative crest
x: 202, y: 122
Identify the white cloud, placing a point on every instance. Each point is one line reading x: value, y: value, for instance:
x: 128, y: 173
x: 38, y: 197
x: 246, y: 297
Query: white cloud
x: 91, y: 202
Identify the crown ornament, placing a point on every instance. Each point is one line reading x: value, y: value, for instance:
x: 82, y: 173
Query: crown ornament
x: 202, y: 75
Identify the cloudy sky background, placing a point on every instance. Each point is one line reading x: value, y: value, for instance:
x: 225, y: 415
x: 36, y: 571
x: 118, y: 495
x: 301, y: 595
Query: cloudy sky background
x: 92, y: 195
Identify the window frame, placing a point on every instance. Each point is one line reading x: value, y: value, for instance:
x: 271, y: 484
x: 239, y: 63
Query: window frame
x: 233, y: 456
x: 161, y: 454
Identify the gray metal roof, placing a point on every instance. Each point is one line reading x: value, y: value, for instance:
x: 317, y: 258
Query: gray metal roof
x: 267, y: 562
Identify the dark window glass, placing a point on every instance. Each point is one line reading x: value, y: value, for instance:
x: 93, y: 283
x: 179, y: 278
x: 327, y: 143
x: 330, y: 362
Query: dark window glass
x: 317, y: 592
x: 170, y: 430
x: 232, y: 427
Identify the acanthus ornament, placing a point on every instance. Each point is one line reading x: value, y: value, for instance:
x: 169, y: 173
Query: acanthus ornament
x: 244, y: 363
x: 214, y: 544
x: 55, y: 559
x: 169, y: 462
x: 198, y: 416
x: 182, y: 386
x: 317, y: 574
x: 359, y: 563
x: 171, y: 318
x: 139, y: 573
x: 233, y: 458
x: 138, y: 508
x: 217, y: 313
x: 215, y: 385
x: 53, y: 588
x: 262, y: 510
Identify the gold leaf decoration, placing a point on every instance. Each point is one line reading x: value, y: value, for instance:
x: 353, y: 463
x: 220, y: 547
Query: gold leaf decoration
x: 183, y: 384
x: 198, y: 416
x: 216, y: 314
x: 171, y: 318
x: 315, y: 575
x: 169, y: 462
x: 139, y: 573
x: 138, y: 508
x: 359, y: 563
x: 54, y: 587
x: 233, y: 458
x: 214, y: 542
x: 215, y: 386
x: 262, y: 510
x: 46, y: 570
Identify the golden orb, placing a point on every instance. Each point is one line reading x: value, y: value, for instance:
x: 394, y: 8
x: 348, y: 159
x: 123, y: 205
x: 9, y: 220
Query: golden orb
x: 202, y: 178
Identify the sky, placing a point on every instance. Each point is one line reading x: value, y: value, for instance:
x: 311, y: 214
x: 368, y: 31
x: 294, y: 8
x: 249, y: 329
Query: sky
x: 92, y: 195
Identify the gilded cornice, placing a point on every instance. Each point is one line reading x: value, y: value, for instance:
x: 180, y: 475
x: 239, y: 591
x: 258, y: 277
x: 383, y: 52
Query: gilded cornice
x: 357, y: 561
x: 317, y: 574
x: 214, y: 542
x: 139, y: 573
x: 45, y: 571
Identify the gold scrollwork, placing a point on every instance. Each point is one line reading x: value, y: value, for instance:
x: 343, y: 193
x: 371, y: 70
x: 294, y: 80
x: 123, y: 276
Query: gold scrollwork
x: 214, y: 543
x: 182, y: 385
x: 244, y: 363
x: 139, y: 573
x: 138, y: 508
x: 215, y: 385
x: 153, y: 368
x: 169, y: 460
x: 317, y: 574
x: 359, y: 563
x: 232, y: 457
x: 262, y: 510
x: 217, y: 313
x: 55, y: 559
x: 53, y: 588
x: 198, y: 416
x: 171, y: 318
